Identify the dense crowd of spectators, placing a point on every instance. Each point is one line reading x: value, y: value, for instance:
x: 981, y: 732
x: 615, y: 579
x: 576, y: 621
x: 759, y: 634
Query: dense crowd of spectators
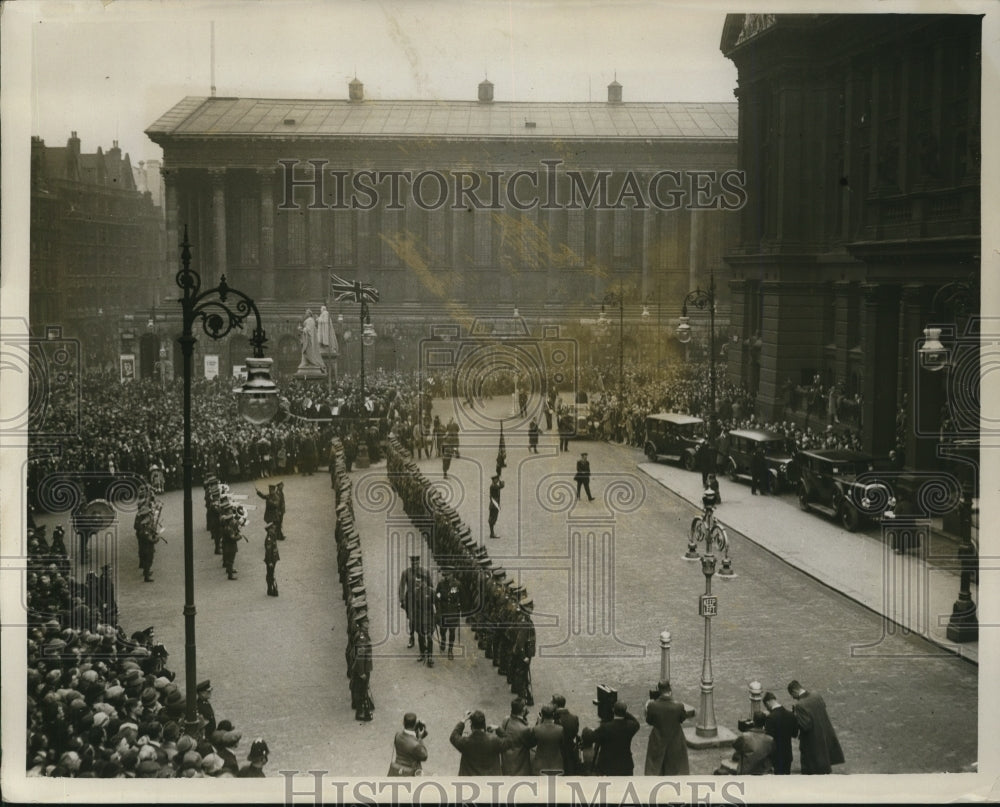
x: 102, y: 704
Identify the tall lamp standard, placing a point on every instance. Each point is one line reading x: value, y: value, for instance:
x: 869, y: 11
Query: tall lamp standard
x: 258, y: 403
x: 616, y: 298
x: 701, y: 300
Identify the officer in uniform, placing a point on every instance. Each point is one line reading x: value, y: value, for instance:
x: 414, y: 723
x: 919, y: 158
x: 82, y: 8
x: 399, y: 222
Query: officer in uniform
x: 271, y: 504
x: 449, y: 609
x: 496, y: 485
x: 281, y: 511
x: 408, y: 590
x: 271, y: 559
x: 146, y: 535
x: 360, y: 669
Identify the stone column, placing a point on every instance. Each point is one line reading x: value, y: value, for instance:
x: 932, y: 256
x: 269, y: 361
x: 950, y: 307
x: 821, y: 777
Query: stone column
x: 217, y: 177
x: 266, y: 176
x: 880, y: 344
x: 170, y: 208
x: 694, y: 251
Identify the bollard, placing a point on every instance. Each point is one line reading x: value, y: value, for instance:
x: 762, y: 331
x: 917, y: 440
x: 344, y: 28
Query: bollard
x: 756, y: 698
x: 665, y: 656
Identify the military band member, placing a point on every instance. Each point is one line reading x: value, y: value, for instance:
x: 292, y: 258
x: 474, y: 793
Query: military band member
x: 230, y: 543
x: 271, y: 559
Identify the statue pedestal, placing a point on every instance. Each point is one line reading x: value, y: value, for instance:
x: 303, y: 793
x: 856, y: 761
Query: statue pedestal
x: 311, y: 373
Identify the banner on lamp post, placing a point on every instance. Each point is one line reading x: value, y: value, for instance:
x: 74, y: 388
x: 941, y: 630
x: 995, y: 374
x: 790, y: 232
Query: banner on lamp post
x: 126, y: 364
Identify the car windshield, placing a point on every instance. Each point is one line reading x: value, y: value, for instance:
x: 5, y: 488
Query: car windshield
x: 775, y: 447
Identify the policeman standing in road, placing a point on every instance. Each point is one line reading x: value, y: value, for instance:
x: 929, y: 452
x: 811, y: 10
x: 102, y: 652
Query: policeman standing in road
x: 582, y: 477
x: 205, y: 708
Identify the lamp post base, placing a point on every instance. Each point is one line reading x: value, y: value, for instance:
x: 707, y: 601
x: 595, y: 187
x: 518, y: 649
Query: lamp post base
x: 722, y: 738
x: 964, y: 624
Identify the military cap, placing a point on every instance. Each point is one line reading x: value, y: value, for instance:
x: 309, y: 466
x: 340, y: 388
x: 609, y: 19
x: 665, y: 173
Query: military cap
x: 358, y: 591
x: 499, y: 573
x: 485, y: 563
x: 518, y: 591
x: 528, y: 605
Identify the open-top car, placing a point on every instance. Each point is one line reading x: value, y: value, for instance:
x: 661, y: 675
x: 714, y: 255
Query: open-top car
x: 843, y: 485
x: 673, y: 436
x: 778, y: 456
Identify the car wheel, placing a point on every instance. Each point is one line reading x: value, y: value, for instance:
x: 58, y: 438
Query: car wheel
x: 803, y: 497
x: 650, y: 452
x: 733, y: 475
x: 849, y: 517
x: 689, y: 462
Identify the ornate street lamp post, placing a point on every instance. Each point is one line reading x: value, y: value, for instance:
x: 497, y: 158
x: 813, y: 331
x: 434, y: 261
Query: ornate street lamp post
x: 701, y: 300
x: 616, y: 298
x: 258, y: 404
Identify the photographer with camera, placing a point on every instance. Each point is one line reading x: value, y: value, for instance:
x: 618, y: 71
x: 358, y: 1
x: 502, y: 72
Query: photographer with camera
x: 481, y: 747
x: 409, y: 750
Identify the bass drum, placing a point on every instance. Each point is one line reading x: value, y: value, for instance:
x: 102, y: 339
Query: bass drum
x: 95, y: 515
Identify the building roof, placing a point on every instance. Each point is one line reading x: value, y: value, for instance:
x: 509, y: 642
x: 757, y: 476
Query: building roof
x: 197, y: 116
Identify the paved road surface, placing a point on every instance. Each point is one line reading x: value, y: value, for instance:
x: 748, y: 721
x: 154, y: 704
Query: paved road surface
x: 606, y: 577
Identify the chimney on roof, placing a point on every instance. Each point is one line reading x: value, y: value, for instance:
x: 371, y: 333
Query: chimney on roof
x: 486, y: 91
x: 614, y: 92
x: 356, y: 90
x: 73, y: 157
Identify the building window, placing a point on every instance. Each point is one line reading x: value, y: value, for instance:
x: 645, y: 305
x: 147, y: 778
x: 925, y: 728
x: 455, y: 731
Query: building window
x: 296, y: 238
x: 483, y: 237
x: 344, y: 238
x: 249, y: 230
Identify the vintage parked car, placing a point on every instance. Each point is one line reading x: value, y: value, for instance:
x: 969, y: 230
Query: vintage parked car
x: 580, y: 414
x: 777, y: 454
x: 673, y: 436
x: 843, y: 485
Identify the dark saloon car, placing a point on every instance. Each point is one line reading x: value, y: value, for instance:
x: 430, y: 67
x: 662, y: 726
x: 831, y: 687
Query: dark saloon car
x: 780, y: 460
x: 673, y: 436
x: 843, y: 485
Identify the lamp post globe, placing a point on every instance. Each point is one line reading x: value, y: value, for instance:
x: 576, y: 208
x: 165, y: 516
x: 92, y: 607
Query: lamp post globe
x: 684, y: 330
x: 258, y: 397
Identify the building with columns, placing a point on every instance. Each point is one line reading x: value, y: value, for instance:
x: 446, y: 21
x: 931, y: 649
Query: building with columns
x: 452, y: 209
x: 860, y: 138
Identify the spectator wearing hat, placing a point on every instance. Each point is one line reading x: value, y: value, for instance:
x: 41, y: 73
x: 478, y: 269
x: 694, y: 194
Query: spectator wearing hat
x: 496, y: 485
x: 533, y: 432
x: 204, y: 704
x: 407, y: 590
x: 516, y: 760
x: 571, y: 731
x: 587, y: 752
x: 781, y: 726
x: 409, y: 750
x: 548, y: 736
x: 753, y: 749
x: 224, y: 740
x: 480, y: 748
x: 666, y: 754
x: 819, y: 748
x: 256, y: 760
x: 614, y: 743
x: 582, y: 477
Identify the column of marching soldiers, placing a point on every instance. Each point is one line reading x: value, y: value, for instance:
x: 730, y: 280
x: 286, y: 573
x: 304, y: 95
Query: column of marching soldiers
x: 496, y: 608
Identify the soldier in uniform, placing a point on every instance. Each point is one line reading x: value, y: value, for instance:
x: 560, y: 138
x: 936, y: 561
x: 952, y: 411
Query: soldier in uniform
x: 407, y: 590
x: 271, y: 559
x: 422, y: 618
x: 496, y: 485
x: 230, y: 543
x: 522, y: 653
x: 271, y: 504
x: 146, y: 535
x: 449, y: 610
x: 360, y: 670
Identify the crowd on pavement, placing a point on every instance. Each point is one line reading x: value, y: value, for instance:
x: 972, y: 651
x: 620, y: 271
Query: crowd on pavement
x: 102, y: 704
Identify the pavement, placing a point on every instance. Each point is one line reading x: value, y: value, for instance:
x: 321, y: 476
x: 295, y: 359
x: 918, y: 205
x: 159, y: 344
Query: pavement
x: 913, y: 591
x: 606, y: 578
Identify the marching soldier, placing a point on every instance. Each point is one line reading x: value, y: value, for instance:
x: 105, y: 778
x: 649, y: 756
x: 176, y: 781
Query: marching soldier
x: 360, y: 670
x: 271, y: 559
x: 147, y: 535
x: 230, y: 543
x: 523, y: 652
x: 408, y: 591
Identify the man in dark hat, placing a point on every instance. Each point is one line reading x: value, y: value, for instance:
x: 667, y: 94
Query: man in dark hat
x: 782, y: 726
x: 407, y: 590
x: 819, y: 748
x: 614, y: 742
x: 205, y: 709
x: 666, y: 754
x: 422, y: 619
x: 496, y: 485
x: 280, y: 489
x: 582, y: 477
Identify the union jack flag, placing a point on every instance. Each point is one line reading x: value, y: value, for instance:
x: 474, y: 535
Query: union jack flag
x: 353, y: 290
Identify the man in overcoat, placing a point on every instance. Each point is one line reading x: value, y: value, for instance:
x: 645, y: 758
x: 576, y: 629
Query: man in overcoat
x: 666, y: 754
x: 614, y: 743
x: 819, y: 748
